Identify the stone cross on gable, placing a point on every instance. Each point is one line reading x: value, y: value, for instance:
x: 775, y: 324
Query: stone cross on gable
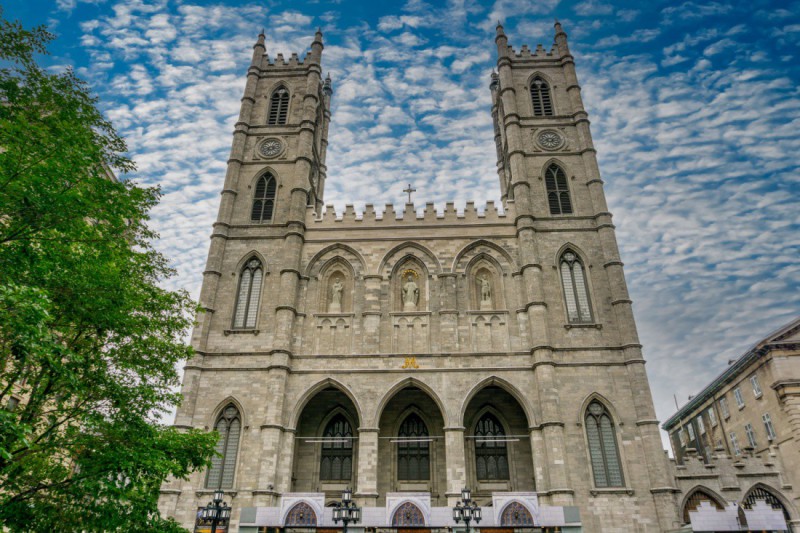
x: 409, y: 190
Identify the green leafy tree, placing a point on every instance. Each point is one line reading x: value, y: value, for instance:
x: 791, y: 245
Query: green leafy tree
x: 88, y: 338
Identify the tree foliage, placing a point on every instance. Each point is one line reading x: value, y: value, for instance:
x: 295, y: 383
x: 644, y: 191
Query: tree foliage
x: 89, y: 341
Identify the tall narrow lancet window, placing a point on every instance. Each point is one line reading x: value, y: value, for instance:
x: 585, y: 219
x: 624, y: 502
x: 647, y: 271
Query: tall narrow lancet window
x: 576, y: 292
x: 223, y: 466
x: 337, y: 451
x: 603, y: 447
x: 557, y: 191
x: 540, y: 96
x: 413, y: 450
x: 247, y: 297
x: 278, y: 107
x: 491, y: 455
x: 264, y: 199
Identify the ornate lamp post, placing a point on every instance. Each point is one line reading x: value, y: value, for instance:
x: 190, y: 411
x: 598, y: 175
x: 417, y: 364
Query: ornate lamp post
x: 216, y: 511
x: 466, y: 510
x: 346, y: 511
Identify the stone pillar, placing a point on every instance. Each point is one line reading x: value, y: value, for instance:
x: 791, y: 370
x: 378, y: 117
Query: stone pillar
x: 456, y: 463
x: 372, y: 313
x: 367, y: 475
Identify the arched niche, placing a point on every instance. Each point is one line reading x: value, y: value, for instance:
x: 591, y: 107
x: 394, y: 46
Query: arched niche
x: 485, y: 284
x: 409, y: 286
x: 337, y: 286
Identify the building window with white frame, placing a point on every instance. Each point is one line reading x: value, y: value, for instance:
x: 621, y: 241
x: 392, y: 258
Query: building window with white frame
x: 737, y: 393
x: 712, y: 416
x: 700, y: 425
x: 690, y: 429
x: 735, y: 444
x: 751, y: 435
x: 682, y: 437
x: 756, y: 386
x: 768, y: 426
x: 723, y: 405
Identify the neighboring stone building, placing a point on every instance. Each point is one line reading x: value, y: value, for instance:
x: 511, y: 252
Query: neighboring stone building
x: 739, y: 438
x: 408, y: 355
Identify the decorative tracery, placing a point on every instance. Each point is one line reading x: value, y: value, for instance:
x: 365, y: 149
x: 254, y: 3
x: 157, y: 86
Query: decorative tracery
x: 557, y: 191
x: 540, y: 97
x: 576, y: 291
x: 301, y: 515
x: 408, y: 515
x: 278, y: 107
x: 248, y: 295
x: 413, y: 450
x: 223, y: 465
x: 264, y: 199
x: 603, y: 446
x: 491, y: 453
x: 516, y: 515
x: 336, y: 463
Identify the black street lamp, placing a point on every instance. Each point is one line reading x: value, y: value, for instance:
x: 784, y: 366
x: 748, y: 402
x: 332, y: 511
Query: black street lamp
x: 346, y: 511
x: 216, y: 511
x: 466, y: 510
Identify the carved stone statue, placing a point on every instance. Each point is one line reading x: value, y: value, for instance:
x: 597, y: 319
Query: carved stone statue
x: 410, y: 294
x: 486, y: 292
x: 336, y: 297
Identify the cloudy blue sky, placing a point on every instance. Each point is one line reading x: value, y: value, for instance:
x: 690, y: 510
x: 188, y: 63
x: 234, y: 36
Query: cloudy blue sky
x: 694, y: 108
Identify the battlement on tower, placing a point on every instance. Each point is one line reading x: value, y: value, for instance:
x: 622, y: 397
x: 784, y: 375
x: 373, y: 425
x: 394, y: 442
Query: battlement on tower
x: 539, y: 53
x: 279, y: 61
x: 407, y: 215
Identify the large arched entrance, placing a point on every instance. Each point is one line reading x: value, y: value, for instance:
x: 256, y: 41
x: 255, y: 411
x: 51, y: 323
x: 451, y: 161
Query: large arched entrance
x: 497, y: 443
x: 326, y: 444
x: 411, y: 448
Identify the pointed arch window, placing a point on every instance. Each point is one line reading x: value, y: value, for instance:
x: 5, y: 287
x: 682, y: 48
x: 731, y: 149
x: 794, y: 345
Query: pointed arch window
x: 248, y: 295
x: 603, y: 447
x: 491, y: 453
x: 413, y: 450
x: 408, y: 515
x: 278, y: 107
x: 576, y: 291
x: 557, y: 191
x: 516, y: 515
x: 760, y: 493
x: 264, y: 199
x: 223, y: 466
x: 540, y: 96
x: 336, y: 463
x: 301, y: 515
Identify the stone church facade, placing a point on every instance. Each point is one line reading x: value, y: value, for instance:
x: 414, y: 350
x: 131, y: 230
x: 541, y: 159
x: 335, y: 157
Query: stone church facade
x: 410, y: 354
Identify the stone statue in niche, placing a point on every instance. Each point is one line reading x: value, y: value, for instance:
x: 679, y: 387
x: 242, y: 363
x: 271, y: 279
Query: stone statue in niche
x: 486, y: 292
x: 410, y: 294
x: 335, y: 305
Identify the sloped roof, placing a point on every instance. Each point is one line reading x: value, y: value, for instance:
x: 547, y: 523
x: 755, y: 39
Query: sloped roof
x: 786, y: 335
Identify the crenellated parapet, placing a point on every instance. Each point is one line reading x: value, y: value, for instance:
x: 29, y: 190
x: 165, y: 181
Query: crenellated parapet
x: 525, y: 53
x: 279, y: 61
x: 729, y: 476
x: 407, y: 215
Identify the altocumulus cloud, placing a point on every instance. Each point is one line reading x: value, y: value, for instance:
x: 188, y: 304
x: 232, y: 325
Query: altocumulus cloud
x: 695, y: 118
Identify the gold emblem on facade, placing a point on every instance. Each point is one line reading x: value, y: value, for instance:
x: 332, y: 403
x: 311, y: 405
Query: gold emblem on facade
x: 410, y: 362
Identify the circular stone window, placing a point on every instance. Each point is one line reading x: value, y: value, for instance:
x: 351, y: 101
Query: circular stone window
x: 550, y: 140
x: 270, y: 147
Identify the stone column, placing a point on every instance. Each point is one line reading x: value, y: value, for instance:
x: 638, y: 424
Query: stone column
x: 456, y: 463
x: 367, y: 475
